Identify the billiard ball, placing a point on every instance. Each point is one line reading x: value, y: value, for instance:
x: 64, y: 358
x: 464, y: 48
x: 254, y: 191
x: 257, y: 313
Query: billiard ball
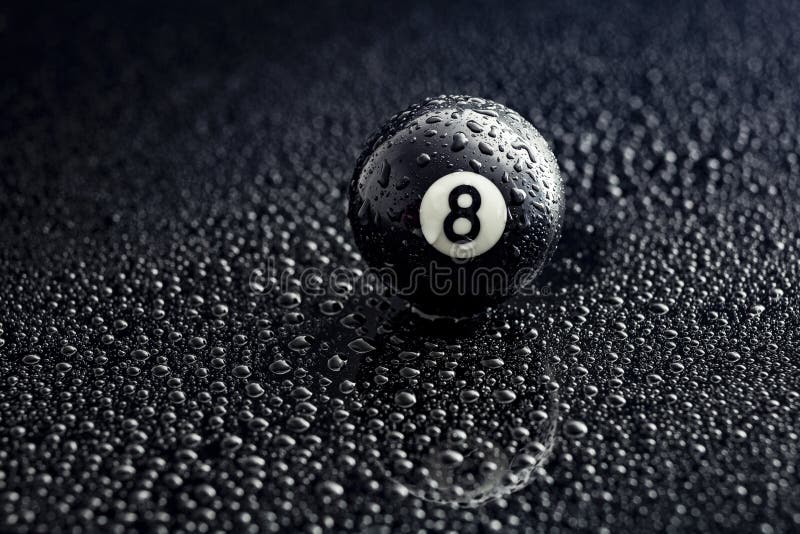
x: 456, y: 204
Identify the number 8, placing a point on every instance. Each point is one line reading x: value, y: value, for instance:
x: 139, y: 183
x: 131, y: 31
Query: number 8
x: 462, y: 214
x: 469, y: 213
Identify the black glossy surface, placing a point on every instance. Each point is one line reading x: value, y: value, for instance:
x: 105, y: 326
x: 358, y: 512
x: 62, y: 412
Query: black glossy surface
x: 152, y: 159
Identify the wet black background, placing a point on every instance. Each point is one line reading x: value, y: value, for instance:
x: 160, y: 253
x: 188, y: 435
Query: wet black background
x: 151, y: 157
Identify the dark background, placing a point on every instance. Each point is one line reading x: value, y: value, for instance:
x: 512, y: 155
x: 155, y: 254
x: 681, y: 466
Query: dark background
x: 151, y: 157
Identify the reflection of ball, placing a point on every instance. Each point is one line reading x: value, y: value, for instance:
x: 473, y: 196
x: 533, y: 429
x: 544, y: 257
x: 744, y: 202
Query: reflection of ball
x: 458, y: 430
x: 485, y: 472
x: 458, y: 201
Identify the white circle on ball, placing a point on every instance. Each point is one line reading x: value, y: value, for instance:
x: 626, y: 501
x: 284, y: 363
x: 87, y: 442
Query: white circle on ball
x: 437, y: 206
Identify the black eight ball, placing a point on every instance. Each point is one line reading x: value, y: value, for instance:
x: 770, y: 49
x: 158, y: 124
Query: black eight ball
x: 456, y: 203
